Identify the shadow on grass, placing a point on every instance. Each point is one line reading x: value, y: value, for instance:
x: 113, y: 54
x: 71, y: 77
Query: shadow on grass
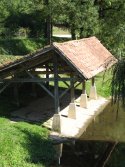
x: 40, y: 149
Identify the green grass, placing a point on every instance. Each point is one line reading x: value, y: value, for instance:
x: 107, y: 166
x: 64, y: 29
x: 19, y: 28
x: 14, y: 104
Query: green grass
x: 60, y: 31
x: 24, y: 145
x: 20, y: 46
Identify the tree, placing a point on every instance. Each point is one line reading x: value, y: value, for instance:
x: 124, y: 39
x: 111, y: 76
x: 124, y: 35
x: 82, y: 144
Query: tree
x: 118, y: 82
x: 81, y: 17
x: 112, y: 30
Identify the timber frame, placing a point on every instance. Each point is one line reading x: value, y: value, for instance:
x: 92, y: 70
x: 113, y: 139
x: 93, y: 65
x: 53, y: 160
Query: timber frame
x: 70, y: 62
x: 41, y: 69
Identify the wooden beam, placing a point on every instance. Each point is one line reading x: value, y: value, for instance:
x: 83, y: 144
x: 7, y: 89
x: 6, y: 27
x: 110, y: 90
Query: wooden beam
x: 93, y: 81
x: 17, y: 68
x: 51, y: 72
x: 83, y: 87
x: 77, y: 84
x: 4, y: 87
x: 60, y: 77
x: 56, y: 89
x: 41, y: 84
x: 72, y: 89
x: 47, y: 75
x: 63, y: 93
x: 35, y: 80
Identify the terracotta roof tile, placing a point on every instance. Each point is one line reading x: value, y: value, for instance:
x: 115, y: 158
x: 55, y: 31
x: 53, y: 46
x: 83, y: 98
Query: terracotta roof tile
x: 88, y: 55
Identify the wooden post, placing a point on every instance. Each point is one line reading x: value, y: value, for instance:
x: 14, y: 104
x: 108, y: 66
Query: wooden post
x: 72, y: 89
x: 56, y: 89
x: 83, y: 87
x: 47, y: 76
x: 93, y: 81
x: 56, y: 124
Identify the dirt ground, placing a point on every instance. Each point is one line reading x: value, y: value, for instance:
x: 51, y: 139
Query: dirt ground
x: 39, y: 110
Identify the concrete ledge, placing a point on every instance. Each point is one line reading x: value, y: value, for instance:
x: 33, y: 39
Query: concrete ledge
x: 74, y: 128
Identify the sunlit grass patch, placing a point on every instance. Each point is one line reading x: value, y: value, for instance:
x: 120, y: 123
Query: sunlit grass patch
x: 23, y: 144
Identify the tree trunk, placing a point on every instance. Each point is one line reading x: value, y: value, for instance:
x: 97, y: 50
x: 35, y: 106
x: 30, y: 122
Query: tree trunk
x: 81, y: 33
x: 73, y: 33
x: 48, y: 25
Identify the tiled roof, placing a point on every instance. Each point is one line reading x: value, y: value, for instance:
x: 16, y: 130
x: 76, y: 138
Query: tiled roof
x: 87, y: 55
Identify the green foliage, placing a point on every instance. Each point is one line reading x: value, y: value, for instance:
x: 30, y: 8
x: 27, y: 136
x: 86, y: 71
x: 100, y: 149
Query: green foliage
x: 22, y: 144
x: 81, y: 17
x: 112, y: 14
x: 17, y: 14
x: 118, y: 81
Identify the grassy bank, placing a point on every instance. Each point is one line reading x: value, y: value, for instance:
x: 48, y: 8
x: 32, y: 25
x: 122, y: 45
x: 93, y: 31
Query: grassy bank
x: 20, y: 46
x: 23, y: 144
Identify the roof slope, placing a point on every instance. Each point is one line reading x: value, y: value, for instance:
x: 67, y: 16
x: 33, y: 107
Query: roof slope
x: 88, y: 55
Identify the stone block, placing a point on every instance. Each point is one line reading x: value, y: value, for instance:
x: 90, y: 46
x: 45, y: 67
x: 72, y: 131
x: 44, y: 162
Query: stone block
x: 72, y: 111
x: 93, y: 92
x: 56, y: 124
x: 83, y: 101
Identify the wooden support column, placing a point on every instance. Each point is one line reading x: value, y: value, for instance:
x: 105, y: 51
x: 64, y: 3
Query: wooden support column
x: 56, y: 124
x: 72, y: 89
x: 83, y: 87
x: 56, y: 89
x: 93, y: 81
x: 47, y: 75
